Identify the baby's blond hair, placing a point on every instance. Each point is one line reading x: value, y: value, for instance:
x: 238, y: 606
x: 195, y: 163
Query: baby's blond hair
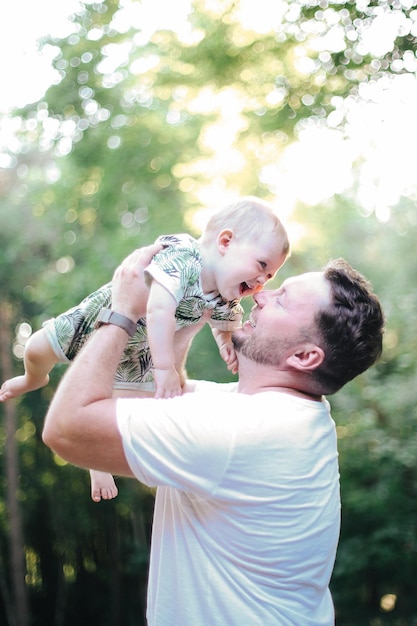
x: 248, y: 218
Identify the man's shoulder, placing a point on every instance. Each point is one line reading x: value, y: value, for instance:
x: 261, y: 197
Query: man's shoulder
x: 207, y: 386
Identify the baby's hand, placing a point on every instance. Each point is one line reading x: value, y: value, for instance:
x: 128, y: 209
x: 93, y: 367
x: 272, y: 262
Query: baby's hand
x: 167, y: 383
x: 228, y: 354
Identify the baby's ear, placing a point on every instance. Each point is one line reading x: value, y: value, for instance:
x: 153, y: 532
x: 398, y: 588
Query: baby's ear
x: 223, y: 239
x: 307, y: 357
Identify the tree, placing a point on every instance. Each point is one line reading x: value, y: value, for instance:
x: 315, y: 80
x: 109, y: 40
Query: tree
x: 138, y: 136
x: 18, y: 608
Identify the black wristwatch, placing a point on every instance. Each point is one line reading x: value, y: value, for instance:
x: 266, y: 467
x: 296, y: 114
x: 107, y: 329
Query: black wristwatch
x: 107, y: 316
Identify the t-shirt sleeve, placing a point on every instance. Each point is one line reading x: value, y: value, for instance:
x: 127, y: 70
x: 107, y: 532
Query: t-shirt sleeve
x: 177, y: 442
x: 177, y: 267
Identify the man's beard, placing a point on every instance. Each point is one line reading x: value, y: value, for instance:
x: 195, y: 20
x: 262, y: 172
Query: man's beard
x: 265, y: 352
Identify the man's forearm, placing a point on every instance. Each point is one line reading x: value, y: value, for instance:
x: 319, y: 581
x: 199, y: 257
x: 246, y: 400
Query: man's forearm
x: 95, y: 366
x: 74, y: 411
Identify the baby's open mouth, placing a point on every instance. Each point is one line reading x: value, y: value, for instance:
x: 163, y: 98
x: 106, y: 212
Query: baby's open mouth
x: 244, y: 287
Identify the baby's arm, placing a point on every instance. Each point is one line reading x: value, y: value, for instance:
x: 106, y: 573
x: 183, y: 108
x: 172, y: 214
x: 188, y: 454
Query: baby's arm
x: 39, y: 359
x: 183, y: 339
x: 160, y: 321
x: 223, y: 339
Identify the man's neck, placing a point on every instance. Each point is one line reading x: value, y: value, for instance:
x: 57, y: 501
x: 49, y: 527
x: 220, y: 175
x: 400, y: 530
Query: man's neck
x: 260, y: 379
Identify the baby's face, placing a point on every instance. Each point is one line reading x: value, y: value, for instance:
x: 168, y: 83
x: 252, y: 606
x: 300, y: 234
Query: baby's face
x: 248, y: 265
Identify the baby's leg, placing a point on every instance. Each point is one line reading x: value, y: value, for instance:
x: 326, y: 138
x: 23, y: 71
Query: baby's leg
x: 39, y: 359
x: 103, y: 486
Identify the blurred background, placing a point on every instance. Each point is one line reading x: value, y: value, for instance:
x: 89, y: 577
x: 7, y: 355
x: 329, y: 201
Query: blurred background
x: 123, y: 120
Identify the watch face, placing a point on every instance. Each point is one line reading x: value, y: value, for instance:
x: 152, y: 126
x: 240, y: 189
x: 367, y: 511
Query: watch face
x: 105, y: 315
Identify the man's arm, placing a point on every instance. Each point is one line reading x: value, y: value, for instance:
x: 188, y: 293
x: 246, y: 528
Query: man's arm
x: 81, y: 422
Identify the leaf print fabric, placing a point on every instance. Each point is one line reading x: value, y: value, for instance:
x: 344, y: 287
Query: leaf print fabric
x: 178, y: 268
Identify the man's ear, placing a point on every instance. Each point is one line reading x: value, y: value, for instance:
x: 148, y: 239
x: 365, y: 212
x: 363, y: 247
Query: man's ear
x: 308, y: 357
x: 223, y: 239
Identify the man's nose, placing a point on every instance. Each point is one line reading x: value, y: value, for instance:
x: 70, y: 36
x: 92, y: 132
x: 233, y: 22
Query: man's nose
x: 260, y: 298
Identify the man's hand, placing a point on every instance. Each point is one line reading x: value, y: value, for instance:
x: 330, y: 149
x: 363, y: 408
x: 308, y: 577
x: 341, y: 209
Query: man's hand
x: 130, y: 291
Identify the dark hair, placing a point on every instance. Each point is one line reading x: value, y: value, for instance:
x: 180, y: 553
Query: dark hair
x: 350, y: 329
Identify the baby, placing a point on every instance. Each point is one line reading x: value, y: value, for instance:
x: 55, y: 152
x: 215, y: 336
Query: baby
x: 241, y: 248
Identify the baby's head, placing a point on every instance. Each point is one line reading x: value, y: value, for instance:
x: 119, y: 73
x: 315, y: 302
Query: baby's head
x: 252, y: 242
x: 250, y: 218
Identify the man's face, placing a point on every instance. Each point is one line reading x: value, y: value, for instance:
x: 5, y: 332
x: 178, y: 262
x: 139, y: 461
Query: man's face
x: 283, y: 319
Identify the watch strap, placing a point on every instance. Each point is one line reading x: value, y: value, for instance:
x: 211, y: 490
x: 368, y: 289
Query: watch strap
x: 108, y: 316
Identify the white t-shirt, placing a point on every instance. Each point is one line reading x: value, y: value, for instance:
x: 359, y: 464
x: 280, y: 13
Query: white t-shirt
x: 247, y: 513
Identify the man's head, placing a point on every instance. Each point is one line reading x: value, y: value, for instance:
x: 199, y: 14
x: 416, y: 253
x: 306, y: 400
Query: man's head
x: 321, y: 329
x: 350, y: 329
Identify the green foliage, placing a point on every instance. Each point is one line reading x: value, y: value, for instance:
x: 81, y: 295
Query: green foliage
x: 112, y: 157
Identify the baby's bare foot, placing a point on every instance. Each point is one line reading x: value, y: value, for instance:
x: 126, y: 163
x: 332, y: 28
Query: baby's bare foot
x: 103, y: 486
x: 13, y: 388
x: 19, y: 385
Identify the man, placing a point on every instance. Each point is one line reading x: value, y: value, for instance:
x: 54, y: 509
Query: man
x: 247, y: 512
